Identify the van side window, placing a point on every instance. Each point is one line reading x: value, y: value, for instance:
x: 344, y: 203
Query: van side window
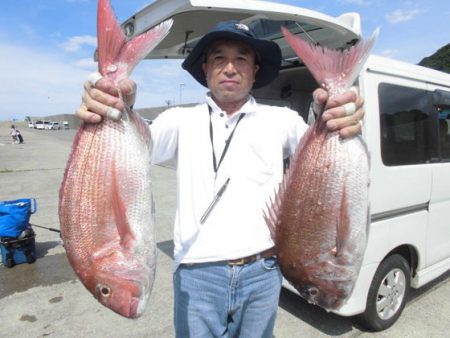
x: 444, y: 133
x: 404, y: 125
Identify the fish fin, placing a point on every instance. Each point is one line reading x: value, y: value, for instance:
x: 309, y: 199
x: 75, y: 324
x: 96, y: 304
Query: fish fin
x: 270, y: 216
x: 120, y: 212
x: 343, y: 228
x: 138, y: 47
x: 107, y: 250
x: 332, y: 67
x: 110, y: 37
x: 273, y: 207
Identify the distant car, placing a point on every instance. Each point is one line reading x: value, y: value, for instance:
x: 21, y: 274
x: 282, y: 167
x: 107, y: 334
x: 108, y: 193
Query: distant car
x: 66, y: 125
x: 55, y: 126
x: 30, y: 124
x: 148, y: 121
x: 47, y: 125
x: 39, y: 125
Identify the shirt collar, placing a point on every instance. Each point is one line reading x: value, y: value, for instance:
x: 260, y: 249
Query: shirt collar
x: 248, y: 107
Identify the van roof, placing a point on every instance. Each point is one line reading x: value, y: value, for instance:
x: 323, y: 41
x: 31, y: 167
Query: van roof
x: 383, y: 65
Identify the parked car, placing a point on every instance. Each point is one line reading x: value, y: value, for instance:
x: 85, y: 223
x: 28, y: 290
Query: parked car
x: 30, y: 124
x: 409, y: 233
x: 39, y: 125
x: 47, y: 125
x: 55, y: 126
x: 66, y: 125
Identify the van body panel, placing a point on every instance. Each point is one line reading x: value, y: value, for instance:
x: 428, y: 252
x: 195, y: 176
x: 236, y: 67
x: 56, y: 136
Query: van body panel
x: 430, y: 273
x: 438, y: 239
x: 382, y: 197
x: 410, y: 169
x: 384, y: 236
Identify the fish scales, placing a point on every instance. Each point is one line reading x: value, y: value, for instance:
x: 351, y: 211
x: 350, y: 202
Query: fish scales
x: 106, y: 206
x: 326, y: 181
x: 110, y: 161
x: 319, y: 218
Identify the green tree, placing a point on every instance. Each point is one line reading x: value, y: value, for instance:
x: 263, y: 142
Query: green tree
x: 439, y: 60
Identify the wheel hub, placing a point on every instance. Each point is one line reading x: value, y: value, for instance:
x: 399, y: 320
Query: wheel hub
x: 390, y: 294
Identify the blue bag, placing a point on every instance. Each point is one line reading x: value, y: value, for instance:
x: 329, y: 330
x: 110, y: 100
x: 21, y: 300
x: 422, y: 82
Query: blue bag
x: 15, y: 216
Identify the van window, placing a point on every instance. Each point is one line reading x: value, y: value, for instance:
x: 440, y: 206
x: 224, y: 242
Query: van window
x: 444, y: 133
x: 404, y: 125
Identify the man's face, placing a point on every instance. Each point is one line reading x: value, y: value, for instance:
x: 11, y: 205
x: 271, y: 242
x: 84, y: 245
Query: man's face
x: 230, y: 71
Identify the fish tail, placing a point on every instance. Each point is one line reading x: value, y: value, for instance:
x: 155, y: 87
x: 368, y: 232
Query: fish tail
x: 138, y: 47
x: 110, y: 37
x: 332, y: 68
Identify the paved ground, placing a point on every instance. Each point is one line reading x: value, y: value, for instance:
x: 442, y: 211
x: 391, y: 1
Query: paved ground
x: 46, y: 299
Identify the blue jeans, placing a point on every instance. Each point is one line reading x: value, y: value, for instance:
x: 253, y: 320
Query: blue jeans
x: 220, y: 300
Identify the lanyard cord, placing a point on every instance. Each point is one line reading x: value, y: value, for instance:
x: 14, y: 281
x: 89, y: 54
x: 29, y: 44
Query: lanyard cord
x: 227, y: 142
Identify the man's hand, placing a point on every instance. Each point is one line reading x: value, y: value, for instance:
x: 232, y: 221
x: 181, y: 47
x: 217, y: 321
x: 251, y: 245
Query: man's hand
x: 338, y: 113
x: 101, y: 99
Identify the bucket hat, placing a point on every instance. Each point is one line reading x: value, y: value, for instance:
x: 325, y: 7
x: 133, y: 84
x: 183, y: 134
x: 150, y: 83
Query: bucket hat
x: 268, y: 52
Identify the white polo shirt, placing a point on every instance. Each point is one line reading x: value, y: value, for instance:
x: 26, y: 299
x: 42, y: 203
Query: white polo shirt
x: 253, y: 162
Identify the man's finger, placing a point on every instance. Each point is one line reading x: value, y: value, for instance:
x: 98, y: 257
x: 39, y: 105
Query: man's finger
x: 340, y: 100
x: 350, y: 131
x: 346, y: 121
x: 93, y: 78
x: 85, y: 115
x: 113, y: 114
x: 100, y: 103
x: 349, y: 108
x: 320, y: 96
x: 128, y: 89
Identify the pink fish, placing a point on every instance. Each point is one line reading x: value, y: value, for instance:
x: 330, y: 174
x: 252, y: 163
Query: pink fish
x: 106, y: 204
x: 319, y: 217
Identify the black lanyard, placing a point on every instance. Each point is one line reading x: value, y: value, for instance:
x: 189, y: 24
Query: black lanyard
x: 227, y: 142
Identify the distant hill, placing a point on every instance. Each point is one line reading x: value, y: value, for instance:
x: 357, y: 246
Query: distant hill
x: 439, y: 60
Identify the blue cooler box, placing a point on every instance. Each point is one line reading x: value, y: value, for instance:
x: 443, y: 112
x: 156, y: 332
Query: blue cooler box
x: 17, y: 238
x: 18, y: 251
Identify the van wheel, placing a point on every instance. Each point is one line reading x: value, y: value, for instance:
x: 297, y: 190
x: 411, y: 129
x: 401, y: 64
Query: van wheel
x: 387, y: 294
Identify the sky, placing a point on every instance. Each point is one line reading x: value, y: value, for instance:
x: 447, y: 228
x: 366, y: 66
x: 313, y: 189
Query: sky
x: 47, y: 47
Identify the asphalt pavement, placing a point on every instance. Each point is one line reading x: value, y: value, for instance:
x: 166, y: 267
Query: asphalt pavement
x: 46, y: 299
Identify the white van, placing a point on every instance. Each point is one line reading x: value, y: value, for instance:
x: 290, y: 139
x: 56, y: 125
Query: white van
x: 405, y: 128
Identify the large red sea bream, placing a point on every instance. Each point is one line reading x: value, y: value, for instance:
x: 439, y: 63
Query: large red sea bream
x: 106, y: 204
x: 319, y: 218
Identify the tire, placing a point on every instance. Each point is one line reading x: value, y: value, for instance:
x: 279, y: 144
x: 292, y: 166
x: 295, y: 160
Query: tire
x: 387, y: 294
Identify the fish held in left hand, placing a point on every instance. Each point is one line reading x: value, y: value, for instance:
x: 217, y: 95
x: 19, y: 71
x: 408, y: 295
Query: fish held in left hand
x: 106, y: 207
x: 319, y: 218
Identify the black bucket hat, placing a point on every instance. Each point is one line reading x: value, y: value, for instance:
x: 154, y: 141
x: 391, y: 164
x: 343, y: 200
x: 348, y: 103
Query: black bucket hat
x: 268, y: 52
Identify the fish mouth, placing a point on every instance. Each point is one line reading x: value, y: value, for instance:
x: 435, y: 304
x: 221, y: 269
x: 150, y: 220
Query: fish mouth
x: 127, y: 298
x: 326, y: 300
x: 310, y: 293
x: 125, y: 305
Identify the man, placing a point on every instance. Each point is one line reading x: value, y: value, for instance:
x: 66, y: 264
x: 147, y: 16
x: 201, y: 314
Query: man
x: 229, y: 154
x: 13, y: 133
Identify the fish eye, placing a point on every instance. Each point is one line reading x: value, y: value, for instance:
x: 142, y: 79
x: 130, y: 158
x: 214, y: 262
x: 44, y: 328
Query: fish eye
x: 313, y: 291
x: 105, y: 291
